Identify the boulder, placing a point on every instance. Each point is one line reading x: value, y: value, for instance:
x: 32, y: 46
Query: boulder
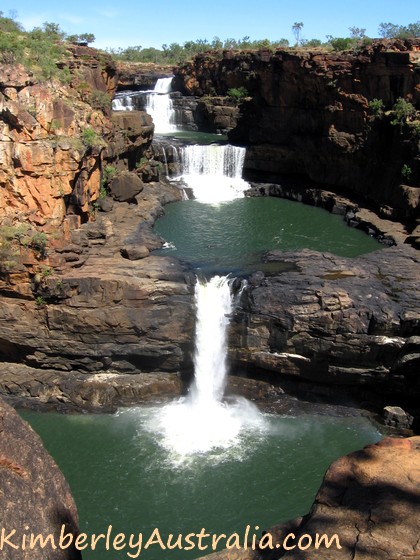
x: 396, y: 417
x: 134, y: 253
x: 34, y: 496
x: 125, y: 187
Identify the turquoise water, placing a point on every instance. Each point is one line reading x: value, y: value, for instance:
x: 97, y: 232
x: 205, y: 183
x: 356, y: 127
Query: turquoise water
x: 121, y: 476
x: 233, y: 236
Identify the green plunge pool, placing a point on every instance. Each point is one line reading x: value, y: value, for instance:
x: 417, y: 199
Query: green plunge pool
x: 233, y: 236
x: 121, y: 475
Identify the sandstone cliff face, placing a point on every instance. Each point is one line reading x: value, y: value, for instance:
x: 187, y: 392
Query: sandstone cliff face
x: 309, y: 117
x: 34, y: 496
x: 349, y: 324
x: 54, y: 140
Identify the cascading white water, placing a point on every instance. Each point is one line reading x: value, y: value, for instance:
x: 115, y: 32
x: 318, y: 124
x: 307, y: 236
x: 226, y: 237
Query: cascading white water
x: 123, y: 102
x: 213, y: 307
x: 202, y: 421
x: 159, y: 106
x: 214, y: 172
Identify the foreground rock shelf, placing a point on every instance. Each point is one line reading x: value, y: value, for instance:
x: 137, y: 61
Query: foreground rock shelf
x: 370, y: 499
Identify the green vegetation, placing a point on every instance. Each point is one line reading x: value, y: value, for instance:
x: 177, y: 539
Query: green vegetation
x: 391, y: 31
x: 83, y: 39
x: 403, y: 111
x: 40, y: 301
x: 176, y: 53
x: 406, y: 171
x: 100, y: 100
x: 342, y: 43
x: 238, y: 93
x: 9, y: 248
x: 40, y: 50
x: 91, y: 139
x: 142, y: 163
x: 377, y: 107
x: 12, y: 238
x: 38, y: 244
x: 108, y: 172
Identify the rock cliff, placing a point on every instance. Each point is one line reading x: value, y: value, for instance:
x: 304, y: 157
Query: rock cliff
x: 350, y: 327
x: 34, y: 496
x: 308, y: 116
x: 56, y: 138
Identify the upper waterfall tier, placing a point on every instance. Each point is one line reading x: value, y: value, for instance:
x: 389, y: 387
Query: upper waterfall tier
x: 159, y: 106
x: 214, y: 172
x: 156, y: 102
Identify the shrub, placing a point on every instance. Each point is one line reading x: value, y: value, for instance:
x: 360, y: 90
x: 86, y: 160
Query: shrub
x: 108, y: 172
x: 100, y: 100
x: 342, y: 43
x: 238, y: 93
x: 91, y: 139
x: 377, y: 107
x: 39, y: 244
x: 403, y: 110
x: 406, y: 171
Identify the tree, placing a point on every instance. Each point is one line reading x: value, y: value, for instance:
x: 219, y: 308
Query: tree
x: 83, y: 39
x: 357, y: 32
x: 297, y: 28
x: 53, y: 31
x: 388, y: 30
x: 391, y: 31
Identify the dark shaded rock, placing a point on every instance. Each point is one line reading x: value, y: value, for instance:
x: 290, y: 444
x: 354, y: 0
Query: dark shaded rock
x: 369, y: 499
x: 105, y: 204
x: 34, y: 497
x: 309, y: 116
x: 134, y: 253
x: 125, y: 187
x: 397, y: 417
x: 103, y: 391
x: 334, y: 321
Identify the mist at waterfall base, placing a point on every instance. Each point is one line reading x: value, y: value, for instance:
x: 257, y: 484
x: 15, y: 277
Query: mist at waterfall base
x: 203, y: 421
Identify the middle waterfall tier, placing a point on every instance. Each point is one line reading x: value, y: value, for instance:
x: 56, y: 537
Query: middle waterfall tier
x: 214, y: 172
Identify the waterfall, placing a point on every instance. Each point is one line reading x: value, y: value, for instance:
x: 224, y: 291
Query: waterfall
x: 203, y: 421
x: 159, y: 106
x: 122, y: 102
x: 214, y: 172
x: 214, y: 305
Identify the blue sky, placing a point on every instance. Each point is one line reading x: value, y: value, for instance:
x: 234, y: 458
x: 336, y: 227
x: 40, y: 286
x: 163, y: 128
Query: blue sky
x: 155, y: 22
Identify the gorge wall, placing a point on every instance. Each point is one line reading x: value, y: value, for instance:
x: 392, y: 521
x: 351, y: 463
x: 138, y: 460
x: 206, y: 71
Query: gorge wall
x: 56, y: 138
x: 308, y: 117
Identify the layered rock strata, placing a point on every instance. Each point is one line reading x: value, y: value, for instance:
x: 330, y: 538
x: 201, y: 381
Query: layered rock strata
x: 308, y: 116
x: 350, y: 326
x: 104, y: 312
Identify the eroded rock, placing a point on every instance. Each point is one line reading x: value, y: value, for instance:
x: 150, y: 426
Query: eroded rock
x: 34, y: 496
